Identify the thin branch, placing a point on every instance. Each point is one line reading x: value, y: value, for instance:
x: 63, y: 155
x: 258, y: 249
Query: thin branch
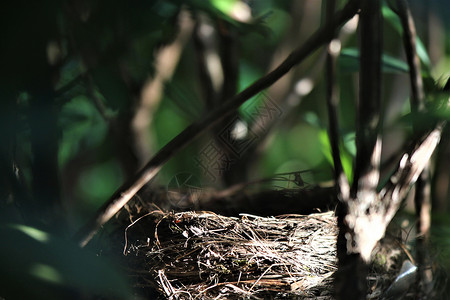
x: 409, y: 43
x: 422, y: 196
x: 333, y: 50
x: 341, y: 183
x: 129, y: 189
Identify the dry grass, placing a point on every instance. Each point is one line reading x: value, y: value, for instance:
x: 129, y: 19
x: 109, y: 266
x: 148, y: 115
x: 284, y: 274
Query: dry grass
x: 202, y: 255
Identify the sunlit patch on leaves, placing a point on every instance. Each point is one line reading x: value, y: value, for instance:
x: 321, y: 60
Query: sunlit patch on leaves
x: 32, y: 232
x: 46, y: 273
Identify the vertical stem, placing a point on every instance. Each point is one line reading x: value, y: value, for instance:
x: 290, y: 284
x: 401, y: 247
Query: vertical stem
x: 409, y: 43
x: 348, y: 264
x: 353, y: 247
x: 369, y: 107
x: 230, y: 59
x: 422, y: 197
x: 229, y: 56
x: 202, y: 45
x: 333, y: 50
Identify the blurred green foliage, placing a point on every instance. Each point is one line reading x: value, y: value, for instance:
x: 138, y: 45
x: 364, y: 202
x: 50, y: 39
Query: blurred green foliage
x: 38, y: 265
x: 82, y: 127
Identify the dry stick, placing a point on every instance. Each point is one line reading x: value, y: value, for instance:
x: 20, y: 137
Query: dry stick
x: 409, y: 168
x: 129, y: 189
x: 408, y: 171
x: 422, y: 197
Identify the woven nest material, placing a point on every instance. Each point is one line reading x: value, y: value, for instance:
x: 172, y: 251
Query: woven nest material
x: 201, y: 255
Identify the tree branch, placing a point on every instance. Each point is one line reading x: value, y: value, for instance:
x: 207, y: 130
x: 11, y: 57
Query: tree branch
x: 129, y: 189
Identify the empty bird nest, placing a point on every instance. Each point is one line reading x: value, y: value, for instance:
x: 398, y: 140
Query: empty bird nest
x: 202, y: 255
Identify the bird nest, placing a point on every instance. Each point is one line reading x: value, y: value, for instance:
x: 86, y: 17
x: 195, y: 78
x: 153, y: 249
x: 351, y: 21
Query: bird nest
x: 202, y: 255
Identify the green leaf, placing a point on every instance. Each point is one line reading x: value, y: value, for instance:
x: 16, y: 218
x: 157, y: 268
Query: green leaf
x: 99, y: 181
x: 82, y: 127
x: 346, y: 155
x: 224, y: 6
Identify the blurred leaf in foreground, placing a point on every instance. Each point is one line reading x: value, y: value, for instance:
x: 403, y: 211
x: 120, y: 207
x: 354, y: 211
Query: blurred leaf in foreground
x: 53, y: 268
